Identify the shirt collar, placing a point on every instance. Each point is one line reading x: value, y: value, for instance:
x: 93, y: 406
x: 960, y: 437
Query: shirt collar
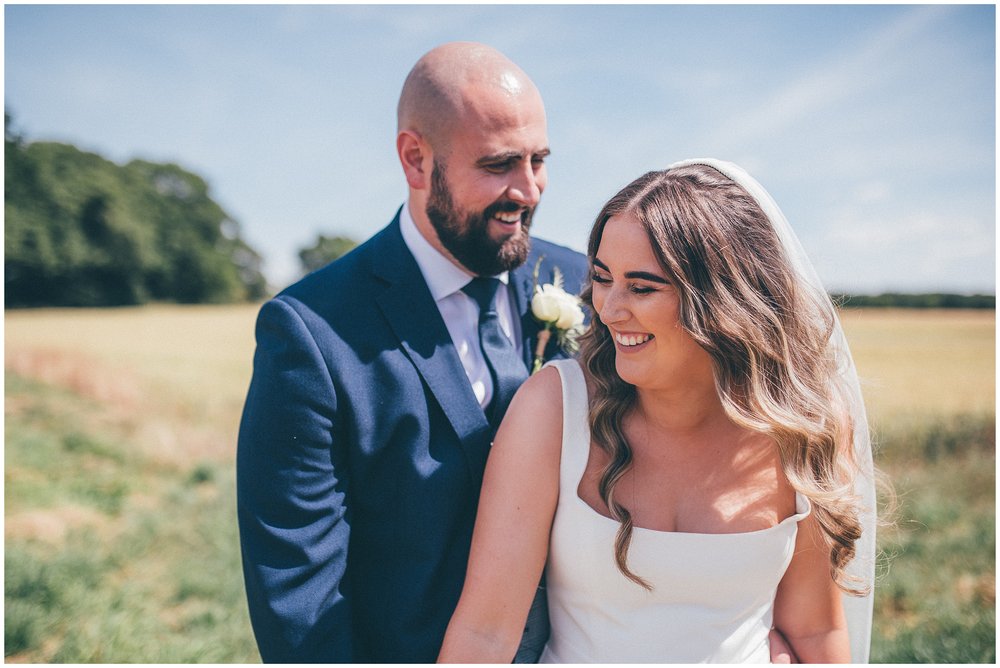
x: 443, y: 276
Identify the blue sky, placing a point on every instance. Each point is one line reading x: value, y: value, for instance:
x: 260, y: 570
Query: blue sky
x: 874, y: 127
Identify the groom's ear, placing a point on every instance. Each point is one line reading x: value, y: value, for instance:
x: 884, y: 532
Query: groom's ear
x: 416, y: 158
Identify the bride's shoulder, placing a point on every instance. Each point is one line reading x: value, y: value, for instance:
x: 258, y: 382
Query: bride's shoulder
x: 535, y: 413
x: 554, y: 381
x: 543, y: 388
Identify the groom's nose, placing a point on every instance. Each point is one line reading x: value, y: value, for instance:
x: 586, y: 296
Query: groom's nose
x: 526, y: 184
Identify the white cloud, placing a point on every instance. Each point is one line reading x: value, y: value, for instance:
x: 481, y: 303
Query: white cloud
x: 917, y: 249
x: 871, y: 192
x: 847, y: 75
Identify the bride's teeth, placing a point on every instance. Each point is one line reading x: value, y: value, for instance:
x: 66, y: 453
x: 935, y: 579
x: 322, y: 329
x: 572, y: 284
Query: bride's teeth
x: 632, y: 340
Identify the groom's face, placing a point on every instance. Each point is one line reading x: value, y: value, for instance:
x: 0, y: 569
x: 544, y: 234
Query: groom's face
x: 486, y: 183
x: 466, y: 233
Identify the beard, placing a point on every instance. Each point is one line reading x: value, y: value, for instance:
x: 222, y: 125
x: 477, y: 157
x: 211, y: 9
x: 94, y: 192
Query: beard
x: 466, y: 235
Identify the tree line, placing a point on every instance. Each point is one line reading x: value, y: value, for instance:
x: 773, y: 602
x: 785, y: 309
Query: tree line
x: 916, y: 300
x: 81, y: 230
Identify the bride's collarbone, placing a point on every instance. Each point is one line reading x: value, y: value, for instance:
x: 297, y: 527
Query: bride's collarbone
x: 712, y: 490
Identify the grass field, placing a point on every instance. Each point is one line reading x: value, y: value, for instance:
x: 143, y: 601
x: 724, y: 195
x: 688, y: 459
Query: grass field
x: 120, y: 431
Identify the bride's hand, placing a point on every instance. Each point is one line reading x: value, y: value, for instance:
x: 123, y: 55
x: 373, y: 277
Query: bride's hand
x: 781, y: 651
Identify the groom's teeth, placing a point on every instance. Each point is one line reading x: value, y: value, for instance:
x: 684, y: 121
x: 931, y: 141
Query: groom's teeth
x: 512, y: 217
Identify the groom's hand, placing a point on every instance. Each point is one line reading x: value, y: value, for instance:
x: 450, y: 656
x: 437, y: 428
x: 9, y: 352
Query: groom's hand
x: 781, y: 651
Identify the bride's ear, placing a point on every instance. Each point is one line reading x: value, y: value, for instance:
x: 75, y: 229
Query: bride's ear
x: 416, y: 158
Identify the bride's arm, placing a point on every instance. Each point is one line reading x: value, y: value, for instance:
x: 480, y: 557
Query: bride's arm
x: 808, y: 608
x: 511, y: 538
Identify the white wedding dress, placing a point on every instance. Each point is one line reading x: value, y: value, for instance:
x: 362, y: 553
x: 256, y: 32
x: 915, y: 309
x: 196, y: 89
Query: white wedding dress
x: 713, y: 594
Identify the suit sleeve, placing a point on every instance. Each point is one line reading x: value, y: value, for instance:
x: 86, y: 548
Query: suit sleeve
x: 291, y: 489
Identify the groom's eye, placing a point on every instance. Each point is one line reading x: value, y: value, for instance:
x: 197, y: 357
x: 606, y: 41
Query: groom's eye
x: 498, y: 167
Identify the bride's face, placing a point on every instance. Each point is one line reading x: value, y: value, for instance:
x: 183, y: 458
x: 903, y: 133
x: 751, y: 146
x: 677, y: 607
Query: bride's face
x: 641, y: 308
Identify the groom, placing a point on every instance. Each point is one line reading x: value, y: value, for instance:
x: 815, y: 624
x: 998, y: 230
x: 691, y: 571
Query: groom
x: 379, y: 380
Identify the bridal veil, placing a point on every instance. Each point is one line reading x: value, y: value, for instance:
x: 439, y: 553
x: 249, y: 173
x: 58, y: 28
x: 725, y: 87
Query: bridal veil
x: 862, y: 567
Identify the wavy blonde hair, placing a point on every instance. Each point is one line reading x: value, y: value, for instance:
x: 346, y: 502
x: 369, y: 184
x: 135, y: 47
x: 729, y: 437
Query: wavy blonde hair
x: 768, y: 333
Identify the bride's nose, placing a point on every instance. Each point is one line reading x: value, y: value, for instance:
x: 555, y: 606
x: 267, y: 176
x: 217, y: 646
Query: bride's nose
x: 613, y: 307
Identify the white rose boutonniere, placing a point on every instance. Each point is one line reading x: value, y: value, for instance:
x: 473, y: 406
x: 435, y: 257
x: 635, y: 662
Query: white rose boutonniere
x: 559, y: 312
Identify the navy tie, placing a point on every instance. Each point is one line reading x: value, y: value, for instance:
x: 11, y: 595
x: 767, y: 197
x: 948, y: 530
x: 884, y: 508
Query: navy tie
x: 506, y: 369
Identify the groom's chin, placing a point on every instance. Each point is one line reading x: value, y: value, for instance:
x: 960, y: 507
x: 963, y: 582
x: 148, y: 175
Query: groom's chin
x: 514, y: 251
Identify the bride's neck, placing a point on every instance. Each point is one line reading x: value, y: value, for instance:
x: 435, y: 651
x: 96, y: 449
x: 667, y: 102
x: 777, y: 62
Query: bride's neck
x: 682, y: 409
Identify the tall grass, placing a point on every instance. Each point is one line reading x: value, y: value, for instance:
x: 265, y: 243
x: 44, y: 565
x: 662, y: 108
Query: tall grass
x: 929, y: 384
x: 112, y: 556
x: 935, y: 597
x: 121, y: 542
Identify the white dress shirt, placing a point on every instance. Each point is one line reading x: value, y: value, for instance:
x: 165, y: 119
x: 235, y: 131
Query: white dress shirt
x: 459, y: 310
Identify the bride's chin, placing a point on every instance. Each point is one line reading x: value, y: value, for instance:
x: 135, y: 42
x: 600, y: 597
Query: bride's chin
x: 627, y: 373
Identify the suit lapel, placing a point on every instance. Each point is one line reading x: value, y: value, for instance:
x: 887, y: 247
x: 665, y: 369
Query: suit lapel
x: 410, y: 309
x: 523, y: 283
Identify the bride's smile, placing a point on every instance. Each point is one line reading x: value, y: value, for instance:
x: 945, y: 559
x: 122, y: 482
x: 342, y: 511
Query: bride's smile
x: 640, y: 306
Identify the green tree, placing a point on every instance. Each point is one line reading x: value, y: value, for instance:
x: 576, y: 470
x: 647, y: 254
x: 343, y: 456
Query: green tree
x: 81, y: 230
x: 917, y: 300
x: 325, y: 250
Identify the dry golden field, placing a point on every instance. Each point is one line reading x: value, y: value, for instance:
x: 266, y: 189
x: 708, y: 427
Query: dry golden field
x: 924, y: 363
x: 910, y: 361
x: 120, y: 436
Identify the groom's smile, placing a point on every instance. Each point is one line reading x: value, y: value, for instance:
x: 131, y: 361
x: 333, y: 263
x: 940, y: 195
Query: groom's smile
x: 510, y: 222
x: 487, y: 242
x: 508, y: 219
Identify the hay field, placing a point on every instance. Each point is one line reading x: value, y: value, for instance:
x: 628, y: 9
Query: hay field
x: 120, y: 434
x: 917, y: 363
x: 911, y: 362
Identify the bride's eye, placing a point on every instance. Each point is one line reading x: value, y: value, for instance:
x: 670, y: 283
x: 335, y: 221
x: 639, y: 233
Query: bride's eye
x: 597, y: 278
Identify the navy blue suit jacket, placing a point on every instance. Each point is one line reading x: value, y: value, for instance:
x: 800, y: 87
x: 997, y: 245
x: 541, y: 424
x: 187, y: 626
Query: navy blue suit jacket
x: 361, y: 454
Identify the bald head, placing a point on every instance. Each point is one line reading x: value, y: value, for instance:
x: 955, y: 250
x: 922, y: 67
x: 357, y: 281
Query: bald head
x: 450, y: 81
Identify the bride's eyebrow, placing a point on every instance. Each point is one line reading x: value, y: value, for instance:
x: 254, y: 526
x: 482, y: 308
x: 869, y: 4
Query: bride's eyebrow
x: 646, y: 276
x: 641, y: 275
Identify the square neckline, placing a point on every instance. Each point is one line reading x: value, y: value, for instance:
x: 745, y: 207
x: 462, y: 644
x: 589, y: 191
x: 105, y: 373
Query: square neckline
x: 576, y: 428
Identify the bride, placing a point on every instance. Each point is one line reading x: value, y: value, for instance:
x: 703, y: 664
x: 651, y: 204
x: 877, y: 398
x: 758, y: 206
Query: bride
x: 703, y: 473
